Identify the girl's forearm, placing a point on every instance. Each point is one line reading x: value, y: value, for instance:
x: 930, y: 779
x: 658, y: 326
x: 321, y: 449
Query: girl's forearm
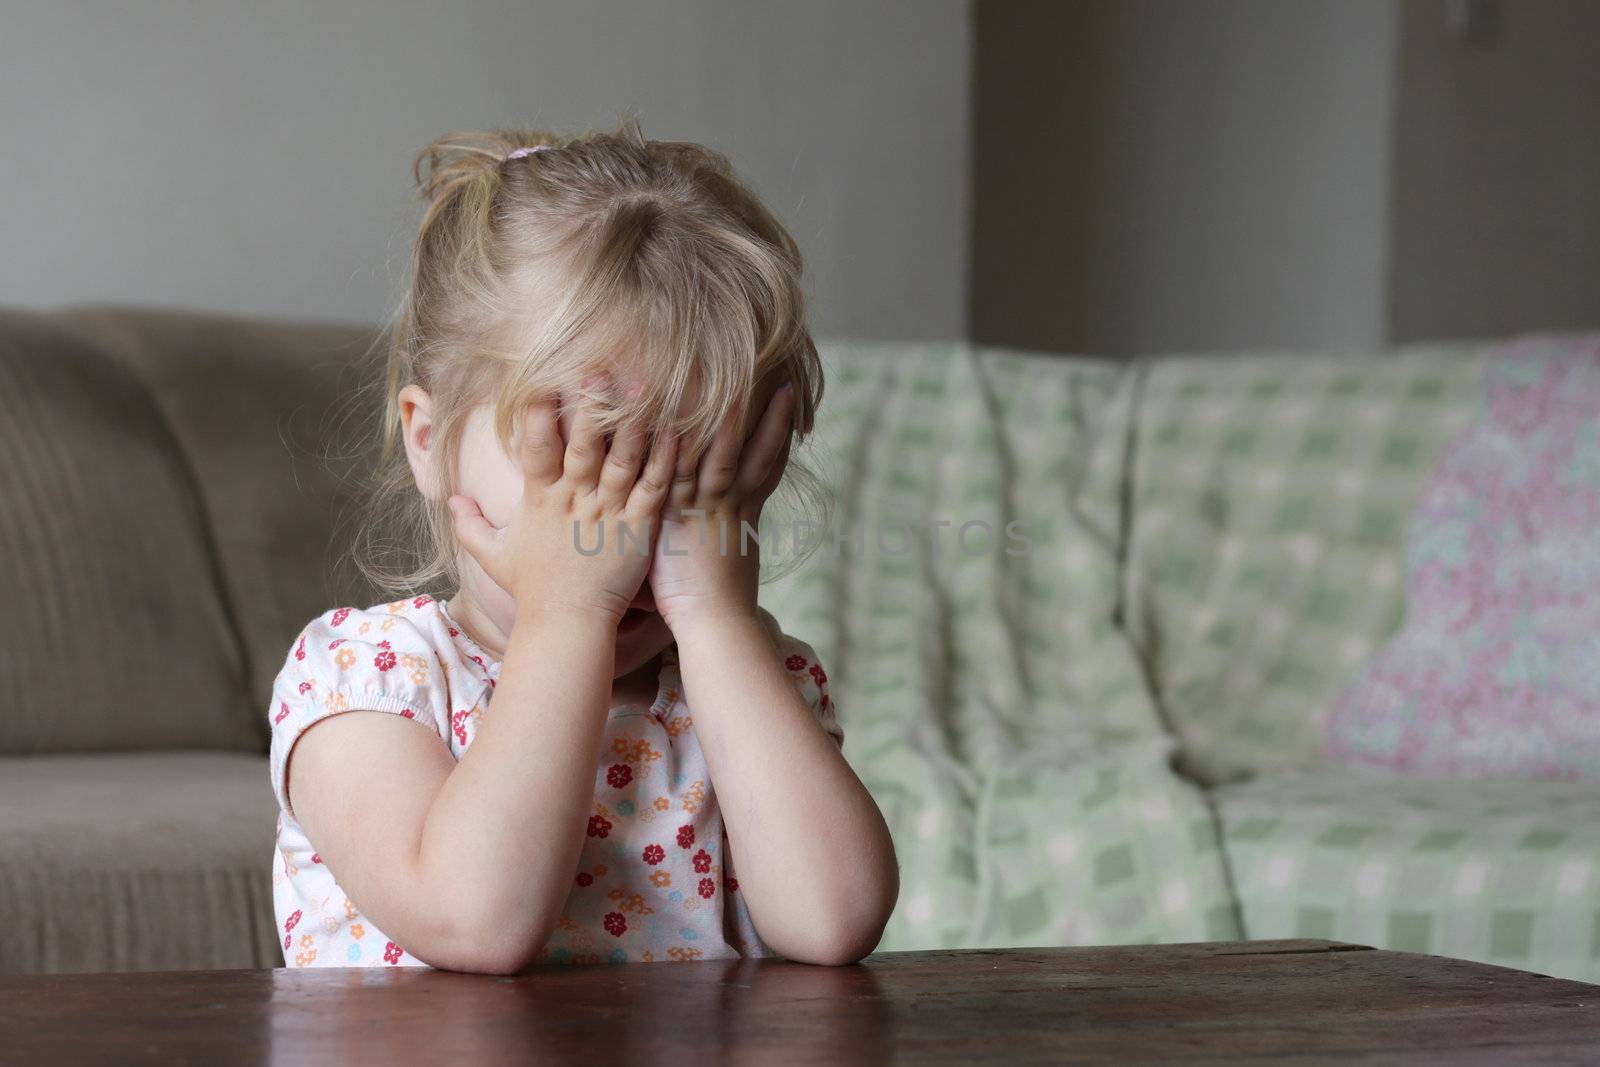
x: 815, y: 861
x: 503, y: 835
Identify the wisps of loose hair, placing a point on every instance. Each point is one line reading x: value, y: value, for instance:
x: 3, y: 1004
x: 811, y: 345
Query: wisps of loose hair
x: 606, y: 251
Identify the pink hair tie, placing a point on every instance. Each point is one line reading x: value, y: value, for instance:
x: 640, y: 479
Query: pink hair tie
x: 518, y: 153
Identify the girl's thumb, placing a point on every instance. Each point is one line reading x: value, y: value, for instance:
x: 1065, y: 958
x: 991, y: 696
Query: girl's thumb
x: 472, y: 528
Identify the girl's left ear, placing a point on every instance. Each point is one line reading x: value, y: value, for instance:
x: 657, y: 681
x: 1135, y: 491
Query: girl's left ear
x: 416, y: 421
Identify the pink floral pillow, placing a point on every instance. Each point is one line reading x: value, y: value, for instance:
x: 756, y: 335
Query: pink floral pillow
x: 1496, y: 670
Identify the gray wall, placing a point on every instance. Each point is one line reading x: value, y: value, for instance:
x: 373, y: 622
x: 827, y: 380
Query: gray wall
x: 1497, y: 173
x: 255, y: 158
x: 1162, y: 176
x: 1165, y: 175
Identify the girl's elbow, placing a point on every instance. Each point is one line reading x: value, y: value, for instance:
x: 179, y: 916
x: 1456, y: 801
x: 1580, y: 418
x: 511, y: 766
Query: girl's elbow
x: 488, y: 944
x: 850, y: 939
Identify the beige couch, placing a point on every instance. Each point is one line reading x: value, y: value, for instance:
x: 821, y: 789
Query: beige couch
x: 168, y: 521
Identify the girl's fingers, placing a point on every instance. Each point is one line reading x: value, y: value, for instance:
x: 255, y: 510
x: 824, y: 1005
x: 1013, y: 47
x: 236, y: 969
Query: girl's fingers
x: 771, y: 436
x: 656, y: 480
x: 585, y: 445
x: 775, y: 475
x: 681, y: 493
x: 474, y: 531
x: 622, y: 463
x: 541, y: 442
x: 720, y: 465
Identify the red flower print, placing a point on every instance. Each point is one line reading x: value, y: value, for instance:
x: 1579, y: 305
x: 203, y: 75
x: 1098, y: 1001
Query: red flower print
x: 818, y: 675
x: 795, y: 663
x: 292, y: 921
x: 733, y: 885
x: 391, y: 953
x: 478, y: 660
x: 339, y: 616
x: 408, y: 714
x: 453, y: 631
x: 288, y: 939
x: 702, y: 861
x: 619, y: 775
x: 458, y: 723
x: 616, y: 923
x: 707, y: 887
x: 654, y: 854
x: 335, y: 643
x: 585, y: 878
x: 300, y: 650
x: 283, y: 713
x: 599, y: 826
x: 303, y: 688
x: 421, y: 600
x: 685, y: 836
x: 316, y: 857
x: 383, y: 660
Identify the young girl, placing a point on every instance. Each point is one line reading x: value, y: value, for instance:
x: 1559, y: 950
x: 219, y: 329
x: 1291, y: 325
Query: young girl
x: 596, y: 374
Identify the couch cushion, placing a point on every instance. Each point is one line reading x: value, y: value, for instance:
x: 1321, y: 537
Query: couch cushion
x: 1503, y: 871
x: 1270, y: 496
x: 136, y: 861
x: 265, y: 415
x: 990, y: 703
x: 1494, y: 673
x: 117, y: 637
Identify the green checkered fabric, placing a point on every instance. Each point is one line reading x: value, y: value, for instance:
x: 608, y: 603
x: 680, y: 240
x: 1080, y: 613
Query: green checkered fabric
x: 989, y: 701
x: 1265, y: 553
x: 1502, y: 871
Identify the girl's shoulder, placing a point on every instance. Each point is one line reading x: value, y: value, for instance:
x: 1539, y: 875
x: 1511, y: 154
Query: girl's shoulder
x: 408, y: 638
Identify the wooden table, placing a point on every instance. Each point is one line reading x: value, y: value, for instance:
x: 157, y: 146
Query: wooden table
x: 1304, y: 1001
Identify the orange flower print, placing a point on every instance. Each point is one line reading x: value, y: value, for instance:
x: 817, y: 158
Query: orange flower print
x: 660, y: 879
x: 363, y: 628
x: 600, y: 870
x: 683, y: 953
x: 662, y: 804
x: 630, y: 902
x: 336, y: 703
x: 358, y: 931
x: 636, y: 752
x: 417, y: 666
x: 349, y: 910
x: 695, y: 797
x: 647, y: 957
x: 679, y: 725
x: 345, y: 657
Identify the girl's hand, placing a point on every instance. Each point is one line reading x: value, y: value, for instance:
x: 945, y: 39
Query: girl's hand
x: 580, y: 494
x: 703, y: 564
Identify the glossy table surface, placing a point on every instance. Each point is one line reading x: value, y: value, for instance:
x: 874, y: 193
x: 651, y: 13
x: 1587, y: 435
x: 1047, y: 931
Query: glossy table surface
x: 1296, y: 1001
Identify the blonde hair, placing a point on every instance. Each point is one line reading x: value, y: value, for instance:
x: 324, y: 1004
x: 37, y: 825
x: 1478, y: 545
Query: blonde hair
x: 531, y: 272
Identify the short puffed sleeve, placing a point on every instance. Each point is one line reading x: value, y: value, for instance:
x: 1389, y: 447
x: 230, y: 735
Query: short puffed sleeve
x: 805, y: 670
x: 354, y: 659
